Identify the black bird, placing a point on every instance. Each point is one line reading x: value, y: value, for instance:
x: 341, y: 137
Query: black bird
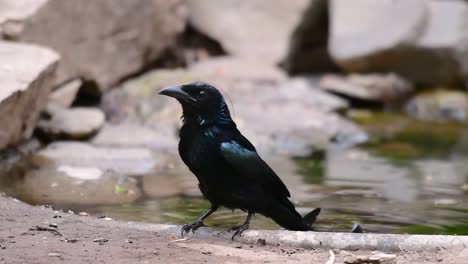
x: 228, y: 168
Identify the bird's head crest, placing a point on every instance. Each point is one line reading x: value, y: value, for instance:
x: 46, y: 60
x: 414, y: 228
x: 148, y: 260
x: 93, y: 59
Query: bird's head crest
x: 200, y: 101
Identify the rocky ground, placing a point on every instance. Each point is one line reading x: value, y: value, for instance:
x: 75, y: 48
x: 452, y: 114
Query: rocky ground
x: 40, y: 235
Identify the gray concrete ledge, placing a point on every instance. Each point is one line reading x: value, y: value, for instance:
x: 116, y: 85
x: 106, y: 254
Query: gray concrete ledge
x: 14, y: 209
x: 344, y: 241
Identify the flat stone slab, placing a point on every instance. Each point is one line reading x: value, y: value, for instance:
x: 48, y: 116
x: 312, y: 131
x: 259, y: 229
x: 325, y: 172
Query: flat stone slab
x: 72, y: 123
x: 40, y: 235
x: 134, y: 135
x: 313, y: 240
x: 373, y: 87
x: 125, y: 161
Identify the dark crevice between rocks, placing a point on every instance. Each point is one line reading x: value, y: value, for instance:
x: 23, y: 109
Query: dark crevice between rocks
x: 395, y: 105
x: 194, y: 45
x: 46, y: 138
x: 88, y: 94
x: 360, y: 103
x: 190, y: 46
x: 308, y: 50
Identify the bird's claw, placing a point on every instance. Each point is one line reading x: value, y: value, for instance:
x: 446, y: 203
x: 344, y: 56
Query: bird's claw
x: 190, y: 227
x: 234, y: 228
x: 238, y: 230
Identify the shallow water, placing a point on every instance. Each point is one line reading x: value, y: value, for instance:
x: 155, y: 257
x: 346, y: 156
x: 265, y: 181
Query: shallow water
x: 409, y: 178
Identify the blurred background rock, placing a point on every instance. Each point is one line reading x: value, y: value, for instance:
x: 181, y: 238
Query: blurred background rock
x: 360, y: 99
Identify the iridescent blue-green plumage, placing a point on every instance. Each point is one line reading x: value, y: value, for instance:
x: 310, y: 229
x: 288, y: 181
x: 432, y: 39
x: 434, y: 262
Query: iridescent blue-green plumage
x: 229, y: 170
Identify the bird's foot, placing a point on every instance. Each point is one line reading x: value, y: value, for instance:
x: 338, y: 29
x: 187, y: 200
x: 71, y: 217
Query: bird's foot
x: 238, y: 230
x: 191, y: 227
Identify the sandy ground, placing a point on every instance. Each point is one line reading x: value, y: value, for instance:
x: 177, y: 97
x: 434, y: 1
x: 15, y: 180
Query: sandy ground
x: 39, y: 235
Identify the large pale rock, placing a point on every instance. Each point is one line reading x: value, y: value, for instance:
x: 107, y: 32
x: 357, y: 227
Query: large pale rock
x: 133, y: 135
x: 101, y: 41
x: 353, y: 20
x: 424, y: 41
x: 258, y: 29
x: 237, y: 68
x: 26, y: 76
x: 124, y: 161
x: 384, y: 88
x: 71, y: 123
x: 439, y: 105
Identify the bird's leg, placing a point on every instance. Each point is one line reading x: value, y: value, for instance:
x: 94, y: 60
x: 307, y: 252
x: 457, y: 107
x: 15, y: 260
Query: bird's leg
x: 198, y: 223
x: 238, y: 229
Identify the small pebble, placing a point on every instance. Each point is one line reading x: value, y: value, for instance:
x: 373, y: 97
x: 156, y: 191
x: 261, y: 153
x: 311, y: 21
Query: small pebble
x: 261, y: 242
x: 444, y: 201
x: 71, y: 240
x: 83, y: 214
x: 53, y: 254
x: 101, y: 240
x: 54, y: 225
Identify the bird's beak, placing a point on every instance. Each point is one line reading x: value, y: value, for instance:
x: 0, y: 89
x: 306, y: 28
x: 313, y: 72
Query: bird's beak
x: 177, y: 92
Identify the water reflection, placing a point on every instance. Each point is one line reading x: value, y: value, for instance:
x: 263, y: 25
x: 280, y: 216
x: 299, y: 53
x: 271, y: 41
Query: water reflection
x: 407, y: 179
x: 422, y: 196
x: 356, y: 168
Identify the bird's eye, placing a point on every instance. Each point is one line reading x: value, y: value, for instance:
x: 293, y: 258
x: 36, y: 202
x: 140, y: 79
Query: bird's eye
x: 201, y: 94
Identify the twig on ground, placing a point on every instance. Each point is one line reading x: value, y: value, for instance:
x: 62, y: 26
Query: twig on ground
x: 332, y: 258
x: 180, y: 239
x: 48, y: 229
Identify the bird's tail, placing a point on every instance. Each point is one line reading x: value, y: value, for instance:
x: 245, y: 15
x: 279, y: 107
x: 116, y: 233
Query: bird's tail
x: 286, y: 216
x: 310, y: 218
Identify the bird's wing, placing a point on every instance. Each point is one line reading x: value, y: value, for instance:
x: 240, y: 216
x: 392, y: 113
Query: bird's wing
x: 241, y: 155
